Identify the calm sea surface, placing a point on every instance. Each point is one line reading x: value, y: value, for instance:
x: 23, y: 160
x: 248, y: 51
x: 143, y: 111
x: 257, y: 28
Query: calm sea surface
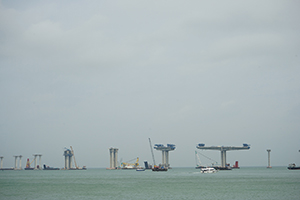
x: 178, y: 183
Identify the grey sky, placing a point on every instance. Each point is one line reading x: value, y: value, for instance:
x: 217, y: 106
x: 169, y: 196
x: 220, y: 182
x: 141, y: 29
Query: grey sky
x: 101, y: 74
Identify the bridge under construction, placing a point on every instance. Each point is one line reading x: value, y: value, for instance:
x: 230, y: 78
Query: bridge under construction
x: 223, y: 150
x: 165, y: 153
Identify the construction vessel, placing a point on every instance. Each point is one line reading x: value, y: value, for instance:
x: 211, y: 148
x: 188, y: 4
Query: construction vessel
x: 236, y: 165
x: 28, y: 163
x: 128, y: 165
x: 223, y: 149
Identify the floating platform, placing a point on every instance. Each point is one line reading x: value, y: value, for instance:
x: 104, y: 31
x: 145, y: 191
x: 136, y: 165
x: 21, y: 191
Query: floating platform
x: 6, y: 169
x: 50, y: 168
x: 29, y: 168
x: 159, y: 169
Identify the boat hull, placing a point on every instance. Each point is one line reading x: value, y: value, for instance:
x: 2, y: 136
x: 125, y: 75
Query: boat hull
x: 208, y: 170
x: 6, y: 169
x: 159, y: 169
x: 294, y: 168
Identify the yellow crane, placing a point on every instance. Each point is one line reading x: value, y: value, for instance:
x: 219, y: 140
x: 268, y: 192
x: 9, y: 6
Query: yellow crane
x: 31, y: 162
x: 74, y: 158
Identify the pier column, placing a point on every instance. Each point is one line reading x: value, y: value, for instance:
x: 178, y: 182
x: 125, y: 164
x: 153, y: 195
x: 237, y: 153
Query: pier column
x: 269, y: 159
x: 68, y: 158
x: 167, y: 158
x: 223, y: 158
x: 66, y: 162
x: 115, y: 158
x: 70, y: 161
x: 16, y: 157
x: 1, y: 165
x: 40, y: 161
x: 163, y: 158
x: 20, y: 162
x: 35, y: 161
x: 112, y: 159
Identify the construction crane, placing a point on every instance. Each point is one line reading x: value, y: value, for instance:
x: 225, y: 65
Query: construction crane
x: 74, y: 158
x: 29, y: 163
x: 152, y: 152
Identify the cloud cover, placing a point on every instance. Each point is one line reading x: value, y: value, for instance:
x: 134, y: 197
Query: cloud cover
x: 97, y: 74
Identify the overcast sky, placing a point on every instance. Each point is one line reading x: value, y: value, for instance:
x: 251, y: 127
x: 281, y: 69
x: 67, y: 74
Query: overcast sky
x: 100, y: 74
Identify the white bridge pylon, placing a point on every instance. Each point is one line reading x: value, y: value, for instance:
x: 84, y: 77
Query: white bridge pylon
x: 223, y: 150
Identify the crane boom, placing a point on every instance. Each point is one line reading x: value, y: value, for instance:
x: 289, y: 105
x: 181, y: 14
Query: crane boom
x: 152, y: 152
x: 74, y: 157
x: 31, y: 161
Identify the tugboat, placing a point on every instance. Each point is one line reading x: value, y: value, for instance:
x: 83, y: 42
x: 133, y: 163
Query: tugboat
x: 293, y: 167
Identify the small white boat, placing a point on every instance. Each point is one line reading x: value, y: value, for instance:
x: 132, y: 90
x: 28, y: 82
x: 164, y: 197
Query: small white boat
x: 208, y: 170
x: 140, y: 169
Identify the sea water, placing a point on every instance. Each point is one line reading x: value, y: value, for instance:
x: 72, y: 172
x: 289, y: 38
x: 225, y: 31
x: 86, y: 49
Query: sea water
x: 255, y: 183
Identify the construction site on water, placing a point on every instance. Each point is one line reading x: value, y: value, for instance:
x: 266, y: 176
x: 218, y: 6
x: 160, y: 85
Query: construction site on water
x: 68, y: 154
x: 69, y: 159
x: 164, y: 166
